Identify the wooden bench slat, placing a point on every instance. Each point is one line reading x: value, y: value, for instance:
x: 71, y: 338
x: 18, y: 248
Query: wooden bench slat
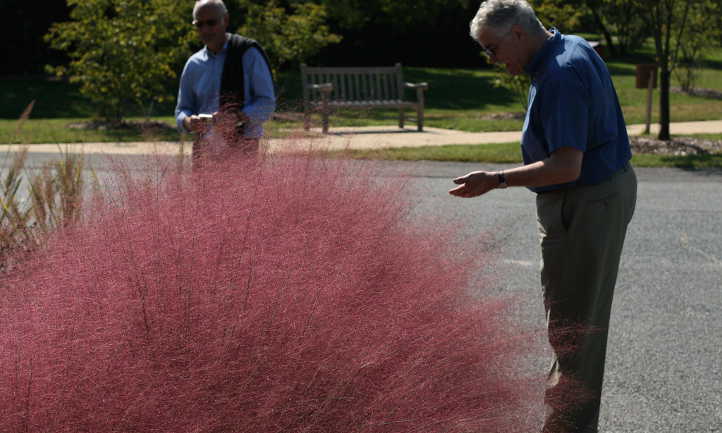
x: 367, y: 104
x: 357, y: 87
x: 349, y: 70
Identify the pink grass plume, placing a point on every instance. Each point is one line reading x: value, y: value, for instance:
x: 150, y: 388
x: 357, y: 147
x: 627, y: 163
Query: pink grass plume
x: 280, y: 294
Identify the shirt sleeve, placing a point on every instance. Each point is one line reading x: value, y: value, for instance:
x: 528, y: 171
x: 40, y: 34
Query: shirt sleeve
x: 186, y: 105
x: 566, y: 112
x: 258, y: 87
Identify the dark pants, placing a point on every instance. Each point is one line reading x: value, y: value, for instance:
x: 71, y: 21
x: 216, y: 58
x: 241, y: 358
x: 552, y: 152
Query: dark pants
x: 582, y: 234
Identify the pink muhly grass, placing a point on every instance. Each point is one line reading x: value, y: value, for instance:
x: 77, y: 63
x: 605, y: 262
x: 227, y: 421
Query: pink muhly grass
x: 276, y: 295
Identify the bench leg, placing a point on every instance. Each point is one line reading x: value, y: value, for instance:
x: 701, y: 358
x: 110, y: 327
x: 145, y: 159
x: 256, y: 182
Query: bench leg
x: 306, y: 120
x: 325, y: 122
x: 420, y: 109
x: 324, y: 113
x: 420, y: 117
x: 402, y: 118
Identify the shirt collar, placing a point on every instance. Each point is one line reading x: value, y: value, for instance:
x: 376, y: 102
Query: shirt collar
x: 534, y: 66
x: 223, y: 50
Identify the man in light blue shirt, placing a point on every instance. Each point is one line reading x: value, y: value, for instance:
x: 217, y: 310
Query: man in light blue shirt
x: 228, y: 81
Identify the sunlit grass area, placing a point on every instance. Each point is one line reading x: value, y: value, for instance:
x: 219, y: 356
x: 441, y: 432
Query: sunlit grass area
x: 510, y: 153
x: 461, y: 99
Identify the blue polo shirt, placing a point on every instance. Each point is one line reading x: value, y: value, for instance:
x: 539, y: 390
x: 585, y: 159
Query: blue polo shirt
x: 572, y: 103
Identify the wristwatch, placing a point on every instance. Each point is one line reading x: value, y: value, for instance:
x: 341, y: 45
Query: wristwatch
x: 502, y: 180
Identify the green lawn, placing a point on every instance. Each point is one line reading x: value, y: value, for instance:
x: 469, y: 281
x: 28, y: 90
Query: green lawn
x: 459, y: 99
x: 61, y: 130
x: 510, y: 153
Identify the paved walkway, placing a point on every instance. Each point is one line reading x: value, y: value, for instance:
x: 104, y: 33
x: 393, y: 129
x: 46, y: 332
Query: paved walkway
x: 369, y: 137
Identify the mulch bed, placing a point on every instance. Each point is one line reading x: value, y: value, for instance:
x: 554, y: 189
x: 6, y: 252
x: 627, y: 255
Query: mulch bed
x: 678, y: 146
x: 503, y: 116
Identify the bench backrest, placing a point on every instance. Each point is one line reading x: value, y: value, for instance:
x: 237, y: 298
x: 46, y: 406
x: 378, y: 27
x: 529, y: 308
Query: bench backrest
x: 354, y: 83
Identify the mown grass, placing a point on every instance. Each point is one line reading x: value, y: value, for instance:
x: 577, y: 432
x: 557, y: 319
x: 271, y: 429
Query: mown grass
x: 503, y: 153
x: 67, y: 130
x: 460, y: 99
x: 493, y: 153
x: 60, y: 130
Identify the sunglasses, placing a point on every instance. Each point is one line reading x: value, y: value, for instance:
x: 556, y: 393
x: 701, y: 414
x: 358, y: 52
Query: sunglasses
x: 209, y: 23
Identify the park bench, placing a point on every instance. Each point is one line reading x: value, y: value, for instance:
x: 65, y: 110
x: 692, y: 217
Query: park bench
x: 327, y: 89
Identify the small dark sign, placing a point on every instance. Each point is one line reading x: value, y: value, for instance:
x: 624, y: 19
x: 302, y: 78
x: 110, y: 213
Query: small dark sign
x: 644, y: 72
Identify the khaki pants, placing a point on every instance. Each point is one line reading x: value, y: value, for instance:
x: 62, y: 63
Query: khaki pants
x: 582, y: 233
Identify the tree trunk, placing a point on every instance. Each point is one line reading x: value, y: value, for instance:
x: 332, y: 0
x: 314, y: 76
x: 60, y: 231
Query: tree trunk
x: 602, y: 28
x: 664, y: 101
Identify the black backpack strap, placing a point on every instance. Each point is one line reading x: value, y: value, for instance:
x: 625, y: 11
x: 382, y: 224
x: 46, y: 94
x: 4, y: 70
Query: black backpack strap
x: 232, y: 77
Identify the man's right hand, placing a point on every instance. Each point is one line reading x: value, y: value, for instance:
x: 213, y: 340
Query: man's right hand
x: 195, y: 123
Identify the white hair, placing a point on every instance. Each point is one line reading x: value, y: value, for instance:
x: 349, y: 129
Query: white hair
x: 501, y: 15
x: 217, y: 4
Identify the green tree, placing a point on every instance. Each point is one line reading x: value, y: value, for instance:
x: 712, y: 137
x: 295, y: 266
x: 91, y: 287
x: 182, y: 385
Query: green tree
x: 518, y: 85
x: 702, y: 35
x: 671, y: 24
x: 127, y: 54
x: 563, y: 14
x: 619, y: 22
x: 288, y: 38
x: 123, y: 53
x: 402, y: 14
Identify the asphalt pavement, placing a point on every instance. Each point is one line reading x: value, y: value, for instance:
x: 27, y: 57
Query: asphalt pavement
x: 664, y: 368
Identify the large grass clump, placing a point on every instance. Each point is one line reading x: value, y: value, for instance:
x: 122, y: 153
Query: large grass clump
x: 259, y: 295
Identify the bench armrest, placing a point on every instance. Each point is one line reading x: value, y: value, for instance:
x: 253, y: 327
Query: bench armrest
x: 324, y: 87
x: 422, y: 86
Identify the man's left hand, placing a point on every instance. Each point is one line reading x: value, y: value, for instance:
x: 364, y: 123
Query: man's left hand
x: 475, y: 184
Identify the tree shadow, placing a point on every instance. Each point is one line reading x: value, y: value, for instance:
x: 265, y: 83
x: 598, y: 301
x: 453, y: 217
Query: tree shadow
x: 459, y: 88
x: 53, y: 98
x: 56, y: 99
x: 619, y: 70
x: 713, y: 64
x: 708, y: 164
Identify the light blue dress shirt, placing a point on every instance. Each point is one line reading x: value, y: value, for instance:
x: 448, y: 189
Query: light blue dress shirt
x: 200, y: 86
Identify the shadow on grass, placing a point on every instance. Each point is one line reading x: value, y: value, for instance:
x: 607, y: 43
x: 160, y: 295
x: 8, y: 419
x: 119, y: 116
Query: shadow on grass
x: 713, y: 64
x: 709, y: 163
x: 617, y: 69
x: 459, y: 88
x: 54, y: 99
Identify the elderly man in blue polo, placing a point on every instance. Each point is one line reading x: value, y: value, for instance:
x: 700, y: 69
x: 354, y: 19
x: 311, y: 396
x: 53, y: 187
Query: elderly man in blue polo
x: 228, y: 82
x: 576, y: 157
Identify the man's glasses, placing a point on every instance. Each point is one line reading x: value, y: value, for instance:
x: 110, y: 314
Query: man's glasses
x: 491, y: 51
x: 209, y: 23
